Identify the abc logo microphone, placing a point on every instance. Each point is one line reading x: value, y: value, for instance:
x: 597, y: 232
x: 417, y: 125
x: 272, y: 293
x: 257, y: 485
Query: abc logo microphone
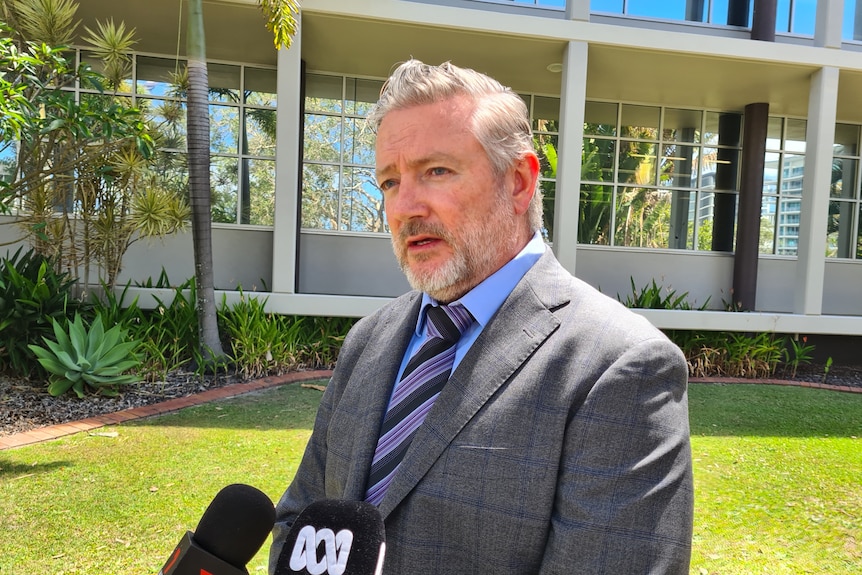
x: 334, y: 537
x: 232, y: 529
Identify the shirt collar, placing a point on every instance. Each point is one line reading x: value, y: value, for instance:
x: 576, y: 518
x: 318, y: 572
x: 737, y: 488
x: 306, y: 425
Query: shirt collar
x: 485, y: 299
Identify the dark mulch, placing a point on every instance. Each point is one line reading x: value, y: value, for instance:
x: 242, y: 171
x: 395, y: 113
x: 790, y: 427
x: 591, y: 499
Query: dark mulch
x: 26, y: 405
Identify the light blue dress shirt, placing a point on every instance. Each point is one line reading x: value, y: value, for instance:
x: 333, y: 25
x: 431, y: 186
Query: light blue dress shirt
x: 482, y: 301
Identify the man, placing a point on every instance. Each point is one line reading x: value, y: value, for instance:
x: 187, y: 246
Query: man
x: 560, y: 442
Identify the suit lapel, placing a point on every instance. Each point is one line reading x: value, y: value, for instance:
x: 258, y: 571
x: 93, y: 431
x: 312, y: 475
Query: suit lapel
x: 522, y: 324
x: 375, y: 375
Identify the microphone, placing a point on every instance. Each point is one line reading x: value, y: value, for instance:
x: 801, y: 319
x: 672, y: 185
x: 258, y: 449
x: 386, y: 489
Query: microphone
x: 334, y: 537
x: 232, y: 529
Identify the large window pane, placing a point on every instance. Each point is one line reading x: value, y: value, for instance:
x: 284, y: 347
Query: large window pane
x: 260, y: 87
x: 8, y: 160
x: 792, y: 172
x: 594, y: 215
x: 155, y: 75
x: 323, y: 93
x: 360, y: 95
x: 768, y: 213
x: 171, y: 171
x: 774, y: 133
x: 639, y: 122
x: 224, y: 183
x: 841, y: 242
x: 120, y: 68
x: 679, y: 165
x: 787, y: 230
x: 259, y: 132
x: 598, y: 160
x: 258, y: 205
x: 771, y: 168
x: 224, y: 129
x: 168, y: 119
x: 642, y: 218
x: 846, y: 140
x: 322, y: 138
x: 782, y: 16
x: 547, y: 146
x: 362, y: 202
x: 669, y: 9
x: 546, y: 113
x: 358, y: 142
x: 600, y: 118
x: 612, y: 6
x: 843, y: 178
x: 794, y: 136
x: 223, y: 82
x: 637, y: 163
x: 320, y: 196
x: 804, y: 17
x: 682, y: 125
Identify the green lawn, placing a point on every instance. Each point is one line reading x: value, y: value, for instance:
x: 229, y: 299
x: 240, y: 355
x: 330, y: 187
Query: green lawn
x: 777, y: 473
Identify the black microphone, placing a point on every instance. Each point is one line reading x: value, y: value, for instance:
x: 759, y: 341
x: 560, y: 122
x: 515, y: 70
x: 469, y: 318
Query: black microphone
x: 334, y: 537
x: 232, y: 529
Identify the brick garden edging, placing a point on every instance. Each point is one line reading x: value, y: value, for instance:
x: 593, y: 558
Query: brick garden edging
x: 225, y: 392
x: 233, y: 390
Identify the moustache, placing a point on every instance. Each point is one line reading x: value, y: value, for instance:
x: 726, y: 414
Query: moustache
x: 417, y: 228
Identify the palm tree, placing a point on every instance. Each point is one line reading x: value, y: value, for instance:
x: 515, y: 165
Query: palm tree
x: 281, y: 21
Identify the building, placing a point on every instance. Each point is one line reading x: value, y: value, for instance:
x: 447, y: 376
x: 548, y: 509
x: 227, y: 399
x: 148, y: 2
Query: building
x: 710, y: 145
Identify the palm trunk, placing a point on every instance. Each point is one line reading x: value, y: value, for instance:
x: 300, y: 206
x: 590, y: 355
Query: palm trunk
x: 198, y: 139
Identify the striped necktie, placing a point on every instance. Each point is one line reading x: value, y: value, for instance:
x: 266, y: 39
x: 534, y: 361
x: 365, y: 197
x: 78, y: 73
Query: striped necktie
x: 422, y: 381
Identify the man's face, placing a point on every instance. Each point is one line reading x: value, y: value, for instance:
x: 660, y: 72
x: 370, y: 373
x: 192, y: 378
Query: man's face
x: 453, y: 222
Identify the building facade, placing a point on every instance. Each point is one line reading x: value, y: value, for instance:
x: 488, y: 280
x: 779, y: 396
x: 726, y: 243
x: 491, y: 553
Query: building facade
x: 712, y: 146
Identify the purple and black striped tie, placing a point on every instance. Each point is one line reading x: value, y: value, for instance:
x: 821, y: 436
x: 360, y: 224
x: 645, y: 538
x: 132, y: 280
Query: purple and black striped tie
x: 422, y: 381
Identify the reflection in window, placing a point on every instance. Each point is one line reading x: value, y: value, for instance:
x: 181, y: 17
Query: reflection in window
x: 783, y: 175
x: 843, y: 230
x: 545, y: 119
x: 668, y: 180
x: 792, y: 16
x: 339, y: 191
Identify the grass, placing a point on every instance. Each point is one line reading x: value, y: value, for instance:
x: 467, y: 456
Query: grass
x: 777, y: 474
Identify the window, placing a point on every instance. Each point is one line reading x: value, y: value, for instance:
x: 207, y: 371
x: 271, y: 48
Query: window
x: 658, y: 177
x: 843, y: 230
x: 545, y: 120
x: 339, y: 190
x: 783, y: 173
x: 242, y: 133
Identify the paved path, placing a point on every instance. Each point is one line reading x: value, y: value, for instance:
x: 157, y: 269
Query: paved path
x: 55, y: 431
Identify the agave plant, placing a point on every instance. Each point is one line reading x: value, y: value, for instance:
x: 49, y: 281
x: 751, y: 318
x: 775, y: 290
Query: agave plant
x: 88, y: 358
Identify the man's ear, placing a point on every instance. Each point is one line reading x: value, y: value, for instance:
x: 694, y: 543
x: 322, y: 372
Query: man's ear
x: 525, y: 176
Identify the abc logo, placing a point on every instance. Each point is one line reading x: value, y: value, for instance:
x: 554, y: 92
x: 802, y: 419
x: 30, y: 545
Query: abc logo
x: 336, y: 551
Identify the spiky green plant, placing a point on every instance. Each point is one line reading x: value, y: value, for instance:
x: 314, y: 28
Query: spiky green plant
x: 82, y: 358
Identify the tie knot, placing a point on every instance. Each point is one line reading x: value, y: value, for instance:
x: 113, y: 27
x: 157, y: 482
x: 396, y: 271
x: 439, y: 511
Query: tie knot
x: 448, y: 322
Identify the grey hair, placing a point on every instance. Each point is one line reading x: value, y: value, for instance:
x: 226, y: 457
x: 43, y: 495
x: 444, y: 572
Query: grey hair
x: 501, y: 123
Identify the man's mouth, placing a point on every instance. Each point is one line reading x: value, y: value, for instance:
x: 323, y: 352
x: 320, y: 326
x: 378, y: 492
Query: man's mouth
x: 422, y: 241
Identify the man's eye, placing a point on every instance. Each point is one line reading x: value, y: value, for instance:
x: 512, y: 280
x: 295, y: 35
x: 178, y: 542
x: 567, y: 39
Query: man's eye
x: 438, y: 171
x: 386, y: 185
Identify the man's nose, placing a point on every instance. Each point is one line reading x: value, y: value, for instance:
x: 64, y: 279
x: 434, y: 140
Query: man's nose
x: 408, y: 201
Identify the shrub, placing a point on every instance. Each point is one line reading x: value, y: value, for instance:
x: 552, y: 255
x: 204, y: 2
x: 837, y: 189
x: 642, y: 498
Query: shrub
x: 82, y: 357
x: 32, y: 296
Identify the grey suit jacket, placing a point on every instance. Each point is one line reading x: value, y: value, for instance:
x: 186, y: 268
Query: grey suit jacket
x: 559, y: 445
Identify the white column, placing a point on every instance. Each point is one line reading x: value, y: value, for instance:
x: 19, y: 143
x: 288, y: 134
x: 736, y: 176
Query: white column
x: 811, y: 259
x: 573, y: 95
x: 828, y: 21
x: 284, y: 237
